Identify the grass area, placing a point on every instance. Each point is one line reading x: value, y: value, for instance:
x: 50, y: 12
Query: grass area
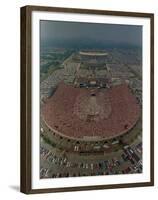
x: 134, y: 72
x: 54, y: 62
x: 43, y: 76
x: 48, y: 141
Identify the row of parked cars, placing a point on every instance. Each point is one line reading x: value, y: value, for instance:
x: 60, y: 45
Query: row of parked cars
x: 129, y: 162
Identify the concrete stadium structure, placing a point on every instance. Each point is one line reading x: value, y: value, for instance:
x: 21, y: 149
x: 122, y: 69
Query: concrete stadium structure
x: 95, y: 110
x: 94, y: 114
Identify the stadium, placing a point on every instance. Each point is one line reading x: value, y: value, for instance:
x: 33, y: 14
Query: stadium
x: 88, y: 114
x: 90, y: 118
x: 93, y: 111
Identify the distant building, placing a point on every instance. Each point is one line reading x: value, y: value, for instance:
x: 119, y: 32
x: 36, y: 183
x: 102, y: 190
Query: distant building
x: 93, y: 58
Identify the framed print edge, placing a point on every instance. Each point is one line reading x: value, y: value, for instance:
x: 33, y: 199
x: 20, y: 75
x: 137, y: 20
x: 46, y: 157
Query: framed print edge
x: 25, y: 140
x: 26, y: 110
x: 152, y: 98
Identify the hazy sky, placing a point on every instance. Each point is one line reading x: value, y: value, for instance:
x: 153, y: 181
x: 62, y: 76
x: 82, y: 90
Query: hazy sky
x: 53, y: 32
